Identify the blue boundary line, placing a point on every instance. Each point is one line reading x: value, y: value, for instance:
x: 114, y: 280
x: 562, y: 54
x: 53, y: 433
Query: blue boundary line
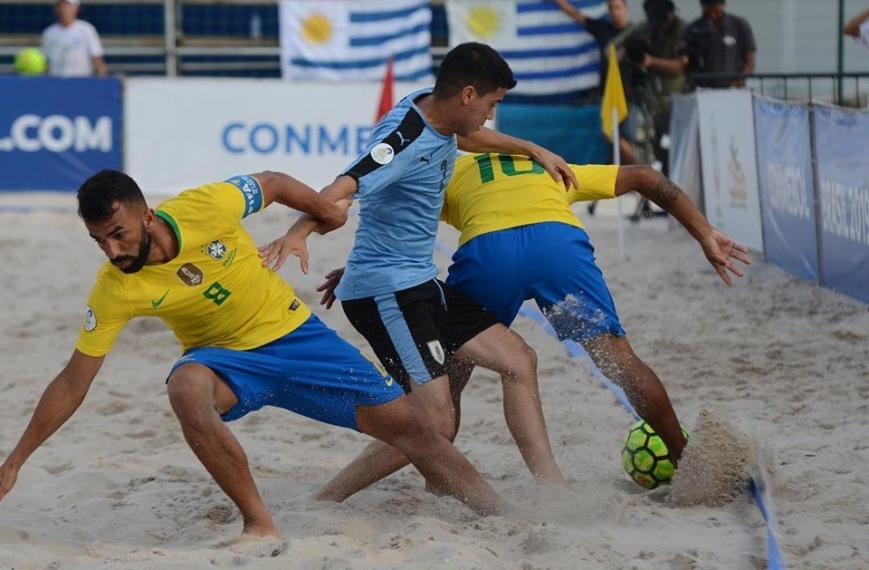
x: 759, y: 489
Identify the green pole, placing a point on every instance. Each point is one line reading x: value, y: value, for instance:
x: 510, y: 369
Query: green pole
x: 840, y: 60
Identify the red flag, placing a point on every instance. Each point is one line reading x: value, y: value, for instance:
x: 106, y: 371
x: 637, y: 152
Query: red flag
x: 385, y: 104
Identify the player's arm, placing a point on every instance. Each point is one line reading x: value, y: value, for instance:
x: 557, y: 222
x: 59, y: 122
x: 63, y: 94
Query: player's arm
x: 340, y: 193
x: 292, y: 193
x: 719, y: 249
x: 59, y: 401
x: 488, y: 140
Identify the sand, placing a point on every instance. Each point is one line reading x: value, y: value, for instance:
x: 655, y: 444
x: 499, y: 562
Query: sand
x: 770, y: 376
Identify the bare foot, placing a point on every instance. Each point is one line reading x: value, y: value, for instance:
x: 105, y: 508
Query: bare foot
x: 260, y: 529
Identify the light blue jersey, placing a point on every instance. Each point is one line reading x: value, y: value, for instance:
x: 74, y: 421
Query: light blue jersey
x: 402, y: 177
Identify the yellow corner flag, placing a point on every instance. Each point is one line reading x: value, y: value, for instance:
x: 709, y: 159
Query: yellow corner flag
x: 613, y: 95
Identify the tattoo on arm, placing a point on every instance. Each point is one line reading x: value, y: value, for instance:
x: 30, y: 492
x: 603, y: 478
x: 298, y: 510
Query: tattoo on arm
x: 665, y: 193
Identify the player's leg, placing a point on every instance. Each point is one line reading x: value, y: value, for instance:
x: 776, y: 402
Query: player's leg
x: 445, y: 469
x: 460, y: 375
x: 577, y: 302
x: 616, y: 360
x: 503, y: 351
x: 380, y: 459
x: 490, y: 269
x: 401, y: 329
x: 199, y: 397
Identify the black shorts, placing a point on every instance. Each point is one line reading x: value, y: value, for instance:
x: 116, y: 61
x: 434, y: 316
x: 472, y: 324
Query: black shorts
x: 416, y: 331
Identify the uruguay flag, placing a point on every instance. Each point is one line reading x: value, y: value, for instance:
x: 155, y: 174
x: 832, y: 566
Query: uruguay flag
x: 549, y: 53
x: 347, y: 40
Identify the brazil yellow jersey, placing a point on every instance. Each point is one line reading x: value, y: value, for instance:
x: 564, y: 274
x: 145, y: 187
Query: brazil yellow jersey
x: 214, y: 293
x: 491, y: 192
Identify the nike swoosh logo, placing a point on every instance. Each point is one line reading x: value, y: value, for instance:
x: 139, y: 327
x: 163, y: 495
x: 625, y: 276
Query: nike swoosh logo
x: 389, y: 380
x: 159, y: 301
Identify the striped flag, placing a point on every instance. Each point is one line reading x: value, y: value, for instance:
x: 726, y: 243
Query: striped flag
x: 347, y: 40
x: 549, y: 52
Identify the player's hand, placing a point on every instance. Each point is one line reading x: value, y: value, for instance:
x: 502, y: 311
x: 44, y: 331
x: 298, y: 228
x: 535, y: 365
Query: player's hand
x: 721, y: 251
x: 8, y: 476
x: 275, y: 253
x: 328, y: 287
x: 556, y: 166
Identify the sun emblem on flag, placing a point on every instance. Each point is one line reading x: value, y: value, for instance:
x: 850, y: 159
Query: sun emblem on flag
x: 216, y: 249
x: 317, y: 28
x: 483, y: 21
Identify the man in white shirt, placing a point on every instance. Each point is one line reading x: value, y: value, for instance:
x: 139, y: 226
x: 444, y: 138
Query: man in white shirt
x: 858, y: 28
x: 72, y: 46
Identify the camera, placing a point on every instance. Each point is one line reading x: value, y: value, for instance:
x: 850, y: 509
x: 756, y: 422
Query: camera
x: 696, y: 47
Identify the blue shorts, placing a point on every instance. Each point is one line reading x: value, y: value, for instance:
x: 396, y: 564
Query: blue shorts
x: 552, y: 263
x: 311, y: 371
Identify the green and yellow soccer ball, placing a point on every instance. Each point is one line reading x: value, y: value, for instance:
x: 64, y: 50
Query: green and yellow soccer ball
x: 645, y: 456
x: 30, y: 61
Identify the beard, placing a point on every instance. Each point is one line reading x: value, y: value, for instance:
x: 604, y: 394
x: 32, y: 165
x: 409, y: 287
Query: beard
x: 136, y: 262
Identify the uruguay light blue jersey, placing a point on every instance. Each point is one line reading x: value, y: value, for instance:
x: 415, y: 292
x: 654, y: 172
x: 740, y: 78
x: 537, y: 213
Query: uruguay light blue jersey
x: 402, y: 177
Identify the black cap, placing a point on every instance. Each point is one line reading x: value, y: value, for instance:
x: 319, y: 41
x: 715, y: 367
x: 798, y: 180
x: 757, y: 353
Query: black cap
x: 658, y: 12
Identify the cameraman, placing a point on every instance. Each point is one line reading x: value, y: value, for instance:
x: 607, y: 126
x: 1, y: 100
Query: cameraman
x: 656, y: 71
x: 717, y: 42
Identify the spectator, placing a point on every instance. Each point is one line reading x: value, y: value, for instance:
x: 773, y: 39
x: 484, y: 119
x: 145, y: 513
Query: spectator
x: 604, y: 31
x: 858, y: 28
x: 72, y: 46
x: 717, y: 42
x: 651, y: 48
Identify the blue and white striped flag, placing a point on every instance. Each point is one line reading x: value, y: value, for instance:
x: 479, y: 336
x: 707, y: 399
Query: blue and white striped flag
x: 346, y: 40
x: 549, y: 52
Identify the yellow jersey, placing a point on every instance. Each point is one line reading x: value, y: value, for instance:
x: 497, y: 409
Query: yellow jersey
x: 491, y: 192
x: 215, y: 292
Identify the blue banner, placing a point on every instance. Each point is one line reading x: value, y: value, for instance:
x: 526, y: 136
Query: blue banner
x: 787, y: 186
x: 572, y: 132
x: 842, y: 148
x: 55, y: 132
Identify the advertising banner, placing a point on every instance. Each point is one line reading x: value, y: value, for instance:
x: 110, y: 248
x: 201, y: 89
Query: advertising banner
x: 182, y: 133
x: 729, y: 165
x: 787, y: 186
x: 55, y: 132
x: 684, y: 156
x: 842, y: 149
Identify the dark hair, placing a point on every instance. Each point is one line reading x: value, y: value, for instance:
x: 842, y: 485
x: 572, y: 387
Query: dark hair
x: 473, y: 64
x: 99, y: 195
x: 659, y: 6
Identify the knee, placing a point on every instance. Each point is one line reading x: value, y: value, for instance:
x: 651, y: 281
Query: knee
x: 442, y: 422
x: 189, y: 394
x: 524, y: 363
x: 406, y: 426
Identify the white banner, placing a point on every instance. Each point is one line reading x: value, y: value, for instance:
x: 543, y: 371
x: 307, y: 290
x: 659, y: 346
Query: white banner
x: 181, y: 133
x: 548, y: 52
x: 349, y: 40
x: 729, y: 164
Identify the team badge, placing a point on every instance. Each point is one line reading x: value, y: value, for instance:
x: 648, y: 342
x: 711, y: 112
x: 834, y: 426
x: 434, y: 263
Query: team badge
x: 382, y: 153
x: 436, y: 350
x: 216, y: 249
x: 190, y: 275
x: 90, y: 320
